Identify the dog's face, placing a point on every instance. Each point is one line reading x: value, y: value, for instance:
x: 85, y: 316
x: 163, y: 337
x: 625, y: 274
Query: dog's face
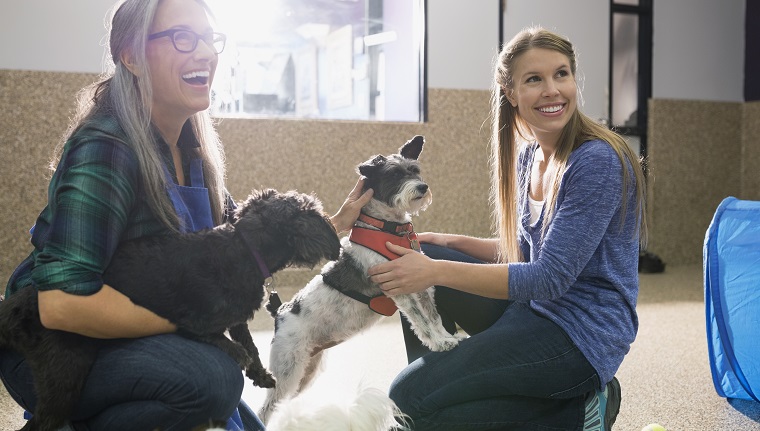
x: 291, y: 225
x: 396, y: 179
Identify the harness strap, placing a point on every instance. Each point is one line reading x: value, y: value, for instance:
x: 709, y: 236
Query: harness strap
x: 375, y: 240
x: 388, y: 226
x: 380, y: 304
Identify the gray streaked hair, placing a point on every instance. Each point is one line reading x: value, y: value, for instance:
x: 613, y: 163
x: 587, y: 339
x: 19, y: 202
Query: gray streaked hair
x: 128, y: 96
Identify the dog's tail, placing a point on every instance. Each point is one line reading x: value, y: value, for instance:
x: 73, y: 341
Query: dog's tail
x: 370, y: 410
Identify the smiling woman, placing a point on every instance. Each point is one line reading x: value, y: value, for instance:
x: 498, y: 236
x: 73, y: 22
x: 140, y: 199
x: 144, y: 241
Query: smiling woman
x: 332, y: 59
x: 549, y: 304
x: 141, y: 159
x: 545, y: 94
x: 141, y: 135
x: 181, y: 44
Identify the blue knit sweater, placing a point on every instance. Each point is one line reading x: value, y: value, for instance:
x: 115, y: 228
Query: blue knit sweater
x: 583, y: 275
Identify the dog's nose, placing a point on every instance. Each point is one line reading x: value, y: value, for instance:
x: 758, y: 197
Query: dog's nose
x: 422, y: 188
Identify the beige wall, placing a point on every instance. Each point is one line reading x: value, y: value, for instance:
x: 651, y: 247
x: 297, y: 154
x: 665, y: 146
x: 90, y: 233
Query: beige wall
x: 750, y: 157
x: 311, y: 156
x: 700, y: 152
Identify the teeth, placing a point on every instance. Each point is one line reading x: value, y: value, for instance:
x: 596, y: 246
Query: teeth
x: 550, y: 109
x: 191, y: 75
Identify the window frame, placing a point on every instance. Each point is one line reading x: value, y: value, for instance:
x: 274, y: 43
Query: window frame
x: 644, y: 11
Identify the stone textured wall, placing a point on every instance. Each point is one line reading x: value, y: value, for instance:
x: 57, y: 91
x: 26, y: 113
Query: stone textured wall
x: 310, y: 156
x: 696, y: 160
x: 34, y: 112
x: 750, y: 156
x: 699, y: 153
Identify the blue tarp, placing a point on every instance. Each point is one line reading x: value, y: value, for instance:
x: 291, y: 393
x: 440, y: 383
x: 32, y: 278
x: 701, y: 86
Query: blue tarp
x: 731, y: 258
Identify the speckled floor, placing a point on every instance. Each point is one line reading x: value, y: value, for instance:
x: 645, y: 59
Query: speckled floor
x: 665, y: 378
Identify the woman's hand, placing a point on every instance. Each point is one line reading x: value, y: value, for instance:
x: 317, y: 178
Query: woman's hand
x: 346, y: 216
x: 414, y: 272
x: 410, y: 273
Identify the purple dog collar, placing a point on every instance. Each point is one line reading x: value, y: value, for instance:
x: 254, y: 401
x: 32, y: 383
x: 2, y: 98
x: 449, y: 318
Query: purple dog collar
x: 268, y: 279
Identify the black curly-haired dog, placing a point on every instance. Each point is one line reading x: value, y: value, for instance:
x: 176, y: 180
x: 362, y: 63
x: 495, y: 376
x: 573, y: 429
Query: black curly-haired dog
x: 205, y: 282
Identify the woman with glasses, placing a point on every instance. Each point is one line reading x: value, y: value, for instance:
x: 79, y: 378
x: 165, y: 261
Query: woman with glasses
x: 141, y: 158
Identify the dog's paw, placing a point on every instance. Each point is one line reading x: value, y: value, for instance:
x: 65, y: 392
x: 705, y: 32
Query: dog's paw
x: 261, y: 377
x: 444, y: 344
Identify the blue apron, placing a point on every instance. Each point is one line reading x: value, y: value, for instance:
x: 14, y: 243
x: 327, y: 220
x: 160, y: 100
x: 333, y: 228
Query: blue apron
x: 191, y: 202
x: 193, y: 208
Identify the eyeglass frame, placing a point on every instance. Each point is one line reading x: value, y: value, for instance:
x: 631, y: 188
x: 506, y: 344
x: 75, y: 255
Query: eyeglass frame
x: 173, y: 31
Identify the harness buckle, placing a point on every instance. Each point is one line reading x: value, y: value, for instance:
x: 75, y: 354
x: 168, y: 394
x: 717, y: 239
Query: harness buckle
x: 413, y: 241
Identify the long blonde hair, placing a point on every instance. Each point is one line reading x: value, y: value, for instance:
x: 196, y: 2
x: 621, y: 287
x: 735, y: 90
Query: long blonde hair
x: 510, y: 131
x: 127, y: 97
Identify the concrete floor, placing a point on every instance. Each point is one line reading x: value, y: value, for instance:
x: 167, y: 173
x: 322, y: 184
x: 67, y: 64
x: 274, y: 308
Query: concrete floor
x: 665, y: 378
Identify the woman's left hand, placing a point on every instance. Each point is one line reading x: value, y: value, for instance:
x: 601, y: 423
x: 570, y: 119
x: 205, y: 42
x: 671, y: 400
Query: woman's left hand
x: 410, y: 273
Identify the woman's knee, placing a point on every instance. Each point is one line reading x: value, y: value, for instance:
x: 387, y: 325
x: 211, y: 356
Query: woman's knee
x: 398, y: 396
x: 182, y: 374
x: 217, y: 381
x: 404, y: 390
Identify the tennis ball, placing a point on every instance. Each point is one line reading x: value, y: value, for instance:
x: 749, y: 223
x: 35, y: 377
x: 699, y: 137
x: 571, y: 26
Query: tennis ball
x: 654, y: 427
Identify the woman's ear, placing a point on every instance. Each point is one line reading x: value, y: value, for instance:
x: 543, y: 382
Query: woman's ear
x: 128, y: 60
x: 509, y: 94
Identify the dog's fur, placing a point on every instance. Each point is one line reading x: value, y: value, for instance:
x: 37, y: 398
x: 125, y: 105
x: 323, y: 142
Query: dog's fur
x: 369, y: 409
x: 204, y: 282
x: 320, y: 316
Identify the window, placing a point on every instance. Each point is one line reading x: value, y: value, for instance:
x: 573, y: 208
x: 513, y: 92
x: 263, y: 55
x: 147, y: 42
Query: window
x: 329, y: 59
x: 630, y: 69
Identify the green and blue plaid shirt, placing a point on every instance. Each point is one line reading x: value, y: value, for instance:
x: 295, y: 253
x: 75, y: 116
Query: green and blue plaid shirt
x: 95, y: 201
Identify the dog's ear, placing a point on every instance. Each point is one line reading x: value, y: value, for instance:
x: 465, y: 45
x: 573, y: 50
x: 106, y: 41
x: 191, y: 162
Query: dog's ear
x: 412, y: 148
x: 317, y: 241
x: 371, y: 165
x: 310, y: 232
x: 254, y: 202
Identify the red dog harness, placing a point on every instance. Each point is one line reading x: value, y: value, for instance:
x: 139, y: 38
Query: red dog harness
x: 401, y: 234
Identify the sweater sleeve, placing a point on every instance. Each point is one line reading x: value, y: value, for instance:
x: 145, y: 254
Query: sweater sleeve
x: 90, y: 199
x: 588, y: 202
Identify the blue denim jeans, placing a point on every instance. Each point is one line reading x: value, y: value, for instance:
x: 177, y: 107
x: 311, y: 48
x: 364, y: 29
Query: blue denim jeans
x: 516, y: 371
x: 166, y: 382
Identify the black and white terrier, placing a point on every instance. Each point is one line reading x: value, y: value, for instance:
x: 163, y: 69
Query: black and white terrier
x: 205, y: 282
x: 342, y: 301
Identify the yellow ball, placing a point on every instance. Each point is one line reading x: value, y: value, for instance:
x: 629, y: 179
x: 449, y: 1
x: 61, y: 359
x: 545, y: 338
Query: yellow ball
x: 654, y: 427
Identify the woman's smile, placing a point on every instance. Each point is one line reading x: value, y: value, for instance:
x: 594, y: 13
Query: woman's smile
x: 552, y: 110
x: 197, y: 78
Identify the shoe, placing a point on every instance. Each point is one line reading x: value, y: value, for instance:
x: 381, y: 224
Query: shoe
x: 602, y: 408
x: 613, y: 397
